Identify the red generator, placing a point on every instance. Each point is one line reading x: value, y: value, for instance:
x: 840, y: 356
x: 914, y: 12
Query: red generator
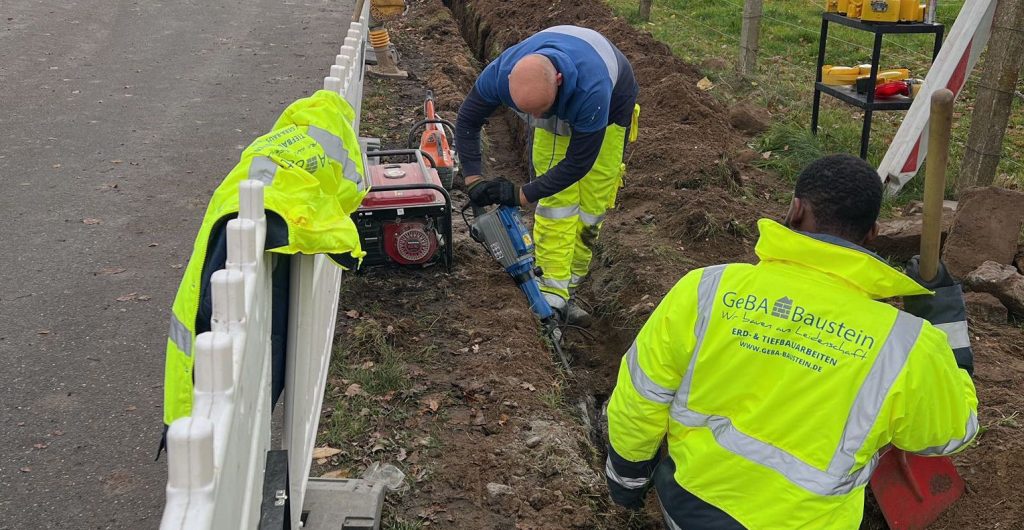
x: 407, y: 216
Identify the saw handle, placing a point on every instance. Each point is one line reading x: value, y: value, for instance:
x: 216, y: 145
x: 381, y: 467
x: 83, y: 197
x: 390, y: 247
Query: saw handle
x: 939, y: 127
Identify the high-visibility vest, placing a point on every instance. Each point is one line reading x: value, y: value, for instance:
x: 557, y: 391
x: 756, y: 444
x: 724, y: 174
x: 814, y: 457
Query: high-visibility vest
x: 779, y: 384
x: 311, y: 167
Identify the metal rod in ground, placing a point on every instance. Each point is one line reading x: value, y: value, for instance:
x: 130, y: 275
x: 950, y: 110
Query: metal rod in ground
x: 940, y: 125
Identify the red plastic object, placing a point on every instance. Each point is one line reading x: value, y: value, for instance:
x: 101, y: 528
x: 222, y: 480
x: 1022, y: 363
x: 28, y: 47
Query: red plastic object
x: 397, y: 175
x: 409, y: 243
x: 892, y: 88
x: 913, y: 490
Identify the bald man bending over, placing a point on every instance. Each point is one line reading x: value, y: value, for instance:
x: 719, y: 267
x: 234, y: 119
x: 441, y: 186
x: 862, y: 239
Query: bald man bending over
x: 577, y: 92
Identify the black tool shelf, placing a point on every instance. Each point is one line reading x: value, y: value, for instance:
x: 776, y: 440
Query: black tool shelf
x: 850, y: 96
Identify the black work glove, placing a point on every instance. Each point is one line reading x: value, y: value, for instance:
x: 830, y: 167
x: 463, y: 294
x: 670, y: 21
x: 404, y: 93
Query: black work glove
x: 498, y: 191
x: 945, y: 310
x: 942, y: 277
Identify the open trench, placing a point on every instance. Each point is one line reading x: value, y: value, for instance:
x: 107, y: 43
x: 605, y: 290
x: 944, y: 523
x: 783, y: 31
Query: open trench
x: 595, y: 351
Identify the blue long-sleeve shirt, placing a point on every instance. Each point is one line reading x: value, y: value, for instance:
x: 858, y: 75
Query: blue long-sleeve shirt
x: 598, y: 88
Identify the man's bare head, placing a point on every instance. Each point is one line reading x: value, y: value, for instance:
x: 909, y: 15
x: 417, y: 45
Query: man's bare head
x: 533, y: 84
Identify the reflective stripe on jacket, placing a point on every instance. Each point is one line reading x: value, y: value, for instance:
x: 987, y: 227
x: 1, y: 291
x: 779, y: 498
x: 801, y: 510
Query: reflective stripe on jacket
x: 779, y: 384
x: 311, y: 167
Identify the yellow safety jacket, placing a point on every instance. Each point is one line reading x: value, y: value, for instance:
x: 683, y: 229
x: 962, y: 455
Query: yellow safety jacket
x: 779, y: 384
x: 311, y: 167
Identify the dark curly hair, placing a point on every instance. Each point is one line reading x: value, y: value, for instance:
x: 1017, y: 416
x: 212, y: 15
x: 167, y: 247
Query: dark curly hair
x: 845, y: 194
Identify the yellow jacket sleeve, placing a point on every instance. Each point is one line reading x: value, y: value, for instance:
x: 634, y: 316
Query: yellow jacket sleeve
x: 649, y: 374
x: 938, y: 412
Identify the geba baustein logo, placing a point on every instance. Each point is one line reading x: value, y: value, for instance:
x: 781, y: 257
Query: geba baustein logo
x: 786, y: 309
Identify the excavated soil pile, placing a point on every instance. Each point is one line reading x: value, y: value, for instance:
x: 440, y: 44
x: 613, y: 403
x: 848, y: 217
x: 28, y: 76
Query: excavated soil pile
x: 486, y: 424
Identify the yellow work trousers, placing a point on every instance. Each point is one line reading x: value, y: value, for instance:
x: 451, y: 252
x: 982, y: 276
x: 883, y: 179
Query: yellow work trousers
x: 566, y: 224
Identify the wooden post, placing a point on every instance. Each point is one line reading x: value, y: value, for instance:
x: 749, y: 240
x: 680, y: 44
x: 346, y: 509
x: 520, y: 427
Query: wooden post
x: 749, y: 35
x: 939, y: 127
x: 645, y: 10
x: 994, y: 101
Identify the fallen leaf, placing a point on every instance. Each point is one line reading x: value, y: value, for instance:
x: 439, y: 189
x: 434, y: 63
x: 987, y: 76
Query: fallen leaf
x: 324, y: 452
x: 503, y: 420
x: 321, y: 461
x: 91, y: 221
x: 476, y: 348
x: 41, y: 445
x: 352, y: 313
x: 56, y: 166
x: 366, y: 365
x: 25, y: 469
x: 337, y: 473
x: 105, y: 271
x: 705, y: 84
x: 528, y: 386
x: 145, y: 297
x: 43, y: 332
x: 401, y: 454
x: 355, y: 389
x: 766, y: 155
x: 390, y: 330
x: 131, y: 408
x: 126, y: 298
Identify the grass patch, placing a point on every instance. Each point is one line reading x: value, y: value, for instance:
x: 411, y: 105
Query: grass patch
x: 707, y: 34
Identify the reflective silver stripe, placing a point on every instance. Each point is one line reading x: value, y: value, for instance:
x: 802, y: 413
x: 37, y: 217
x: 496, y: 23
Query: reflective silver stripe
x: 643, y: 384
x: 596, y: 41
x: 873, y: 391
x: 180, y: 336
x: 954, y: 445
x: 591, y: 219
x: 334, y: 148
x: 706, y: 290
x: 669, y: 523
x: 331, y: 144
x: 575, y: 280
x: 557, y: 212
x: 547, y: 281
x: 262, y: 169
x: 956, y: 334
x: 795, y: 470
x: 553, y: 125
x: 625, y: 482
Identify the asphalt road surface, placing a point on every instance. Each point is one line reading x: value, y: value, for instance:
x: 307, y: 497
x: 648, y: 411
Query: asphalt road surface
x: 117, y: 120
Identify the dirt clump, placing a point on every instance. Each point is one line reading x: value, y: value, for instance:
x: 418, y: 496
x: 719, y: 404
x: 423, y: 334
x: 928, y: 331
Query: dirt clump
x: 749, y: 118
x: 986, y: 228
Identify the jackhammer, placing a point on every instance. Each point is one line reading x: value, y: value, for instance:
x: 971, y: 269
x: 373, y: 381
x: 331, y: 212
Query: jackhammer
x: 502, y: 233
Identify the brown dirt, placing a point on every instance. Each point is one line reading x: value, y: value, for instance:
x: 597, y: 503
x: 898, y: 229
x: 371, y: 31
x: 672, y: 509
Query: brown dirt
x: 478, y: 381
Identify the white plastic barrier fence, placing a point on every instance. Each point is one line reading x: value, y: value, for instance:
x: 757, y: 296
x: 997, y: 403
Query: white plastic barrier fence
x: 216, y: 457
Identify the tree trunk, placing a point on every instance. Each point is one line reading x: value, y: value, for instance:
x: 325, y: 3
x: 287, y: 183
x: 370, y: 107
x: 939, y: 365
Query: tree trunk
x: 645, y: 10
x: 1002, y: 67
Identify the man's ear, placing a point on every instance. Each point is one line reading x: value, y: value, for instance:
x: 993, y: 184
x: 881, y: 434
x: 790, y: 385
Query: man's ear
x: 558, y: 79
x: 871, y: 235
x: 795, y: 213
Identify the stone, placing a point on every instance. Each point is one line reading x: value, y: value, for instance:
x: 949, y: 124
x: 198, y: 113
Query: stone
x: 748, y: 118
x: 986, y: 228
x: 986, y: 308
x: 899, y: 239
x: 534, y: 441
x: 496, y: 490
x: 1001, y: 281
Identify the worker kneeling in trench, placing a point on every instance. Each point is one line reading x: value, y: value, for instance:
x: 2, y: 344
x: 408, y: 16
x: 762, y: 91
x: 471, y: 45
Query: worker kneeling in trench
x: 774, y: 421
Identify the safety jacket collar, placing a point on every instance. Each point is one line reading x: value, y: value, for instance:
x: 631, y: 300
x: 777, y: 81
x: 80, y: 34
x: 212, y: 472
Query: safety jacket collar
x: 843, y: 261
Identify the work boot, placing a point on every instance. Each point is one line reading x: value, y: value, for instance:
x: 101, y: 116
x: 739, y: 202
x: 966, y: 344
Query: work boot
x: 577, y: 316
